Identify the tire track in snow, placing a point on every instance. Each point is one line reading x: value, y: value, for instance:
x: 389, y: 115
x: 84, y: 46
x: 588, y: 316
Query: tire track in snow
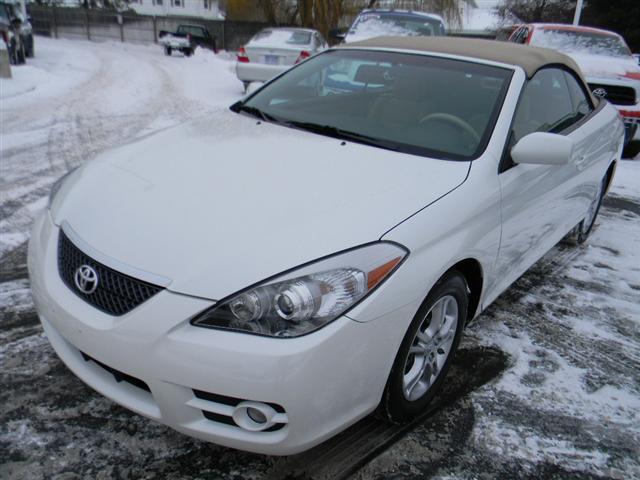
x: 83, y: 124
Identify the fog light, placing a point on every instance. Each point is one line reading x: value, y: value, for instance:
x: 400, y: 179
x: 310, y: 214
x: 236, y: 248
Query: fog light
x: 256, y: 415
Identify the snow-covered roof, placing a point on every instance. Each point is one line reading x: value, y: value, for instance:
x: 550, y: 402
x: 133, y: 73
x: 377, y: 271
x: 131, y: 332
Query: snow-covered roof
x: 574, y: 28
x: 432, y: 16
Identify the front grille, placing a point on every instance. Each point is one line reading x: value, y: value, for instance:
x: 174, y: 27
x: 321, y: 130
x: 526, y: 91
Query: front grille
x: 117, y: 374
x: 616, y: 94
x: 116, y: 293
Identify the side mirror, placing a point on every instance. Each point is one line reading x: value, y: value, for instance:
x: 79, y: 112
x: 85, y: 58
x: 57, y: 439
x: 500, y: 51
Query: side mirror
x: 541, y: 148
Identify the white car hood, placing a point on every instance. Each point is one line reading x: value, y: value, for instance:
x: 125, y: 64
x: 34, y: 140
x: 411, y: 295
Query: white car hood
x: 218, y: 205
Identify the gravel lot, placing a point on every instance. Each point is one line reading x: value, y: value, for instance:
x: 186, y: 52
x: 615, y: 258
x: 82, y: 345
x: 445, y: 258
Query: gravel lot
x: 547, y: 384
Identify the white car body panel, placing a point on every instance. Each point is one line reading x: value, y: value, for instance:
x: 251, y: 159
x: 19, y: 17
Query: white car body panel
x: 212, y: 157
x: 208, y: 212
x: 156, y: 343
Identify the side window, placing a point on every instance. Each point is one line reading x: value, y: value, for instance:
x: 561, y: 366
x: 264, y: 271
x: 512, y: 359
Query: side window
x: 581, y: 102
x: 545, y: 105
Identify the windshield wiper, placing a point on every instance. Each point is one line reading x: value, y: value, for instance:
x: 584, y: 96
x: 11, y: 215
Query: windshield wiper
x: 336, y: 132
x: 256, y: 112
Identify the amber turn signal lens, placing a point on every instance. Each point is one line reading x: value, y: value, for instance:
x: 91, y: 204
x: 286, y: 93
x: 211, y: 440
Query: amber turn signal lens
x: 376, y: 275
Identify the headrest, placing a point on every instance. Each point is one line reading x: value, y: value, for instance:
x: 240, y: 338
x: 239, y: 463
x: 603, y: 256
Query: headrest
x: 374, y: 74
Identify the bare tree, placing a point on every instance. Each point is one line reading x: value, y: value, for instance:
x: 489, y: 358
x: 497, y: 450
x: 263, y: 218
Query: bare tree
x: 537, y: 10
x: 324, y: 15
x: 450, y: 10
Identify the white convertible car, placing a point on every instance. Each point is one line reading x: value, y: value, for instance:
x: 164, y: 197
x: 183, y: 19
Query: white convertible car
x: 265, y: 279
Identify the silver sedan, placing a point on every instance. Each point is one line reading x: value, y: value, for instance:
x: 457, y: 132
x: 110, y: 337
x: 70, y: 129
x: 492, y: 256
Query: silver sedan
x: 274, y: 50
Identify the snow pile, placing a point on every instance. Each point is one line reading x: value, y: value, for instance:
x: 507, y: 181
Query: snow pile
x: 55, y: 70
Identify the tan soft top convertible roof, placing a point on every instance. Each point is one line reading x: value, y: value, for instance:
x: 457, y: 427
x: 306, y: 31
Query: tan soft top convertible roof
x: 531, y: 59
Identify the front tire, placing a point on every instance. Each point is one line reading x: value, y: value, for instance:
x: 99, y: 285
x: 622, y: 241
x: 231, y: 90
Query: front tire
x: 427, y: 350
x: 167, y: 51
x: 21, y: 55
x: 13, y: 53
x: 631, y: 150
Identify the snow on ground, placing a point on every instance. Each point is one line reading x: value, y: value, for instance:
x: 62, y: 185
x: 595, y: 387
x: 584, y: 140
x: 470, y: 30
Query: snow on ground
x: 84, y: 97
x: 561, y: 400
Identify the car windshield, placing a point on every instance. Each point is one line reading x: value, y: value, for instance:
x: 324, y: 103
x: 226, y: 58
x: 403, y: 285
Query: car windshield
x: 417, y: 104
x: 375, y: 24
x: 281, y: 37
x: 577, y: 41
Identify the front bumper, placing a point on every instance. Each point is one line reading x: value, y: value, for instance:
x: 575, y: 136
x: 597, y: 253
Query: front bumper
x: 323, y: 381
x: 258, y: 72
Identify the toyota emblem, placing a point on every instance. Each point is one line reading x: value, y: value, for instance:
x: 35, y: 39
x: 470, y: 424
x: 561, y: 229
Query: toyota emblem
x: 86, y: 279
x: 600, y: 92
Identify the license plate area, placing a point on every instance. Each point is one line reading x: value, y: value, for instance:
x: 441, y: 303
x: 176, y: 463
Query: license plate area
x: 271, y: 59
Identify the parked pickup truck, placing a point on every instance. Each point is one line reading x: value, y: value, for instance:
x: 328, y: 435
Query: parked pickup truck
x: 186, y: 39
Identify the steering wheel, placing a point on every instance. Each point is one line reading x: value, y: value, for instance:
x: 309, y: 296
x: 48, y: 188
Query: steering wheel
x: 452, y: 120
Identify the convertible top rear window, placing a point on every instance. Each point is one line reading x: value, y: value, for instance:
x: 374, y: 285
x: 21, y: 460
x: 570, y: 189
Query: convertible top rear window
x: 417, y: 104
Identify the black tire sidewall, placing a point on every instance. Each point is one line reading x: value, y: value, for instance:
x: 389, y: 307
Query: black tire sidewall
x: 396, y: 407
x: 582, y: 233
x: 631, y: 149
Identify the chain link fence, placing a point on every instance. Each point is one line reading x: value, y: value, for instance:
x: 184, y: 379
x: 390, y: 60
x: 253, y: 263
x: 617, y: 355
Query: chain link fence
x: 101, y: 25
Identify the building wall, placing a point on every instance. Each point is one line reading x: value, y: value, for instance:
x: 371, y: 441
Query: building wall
x: 191, y: 8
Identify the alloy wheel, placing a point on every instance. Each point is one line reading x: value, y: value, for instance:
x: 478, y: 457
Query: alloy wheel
x: 430, y: 348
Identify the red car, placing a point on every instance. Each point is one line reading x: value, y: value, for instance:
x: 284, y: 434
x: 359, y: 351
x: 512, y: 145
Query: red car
x: 606, y: 61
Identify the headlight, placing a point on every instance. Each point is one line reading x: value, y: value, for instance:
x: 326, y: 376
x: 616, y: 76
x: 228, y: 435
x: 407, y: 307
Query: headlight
x: 55, y: 188
x: 308, y: 297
